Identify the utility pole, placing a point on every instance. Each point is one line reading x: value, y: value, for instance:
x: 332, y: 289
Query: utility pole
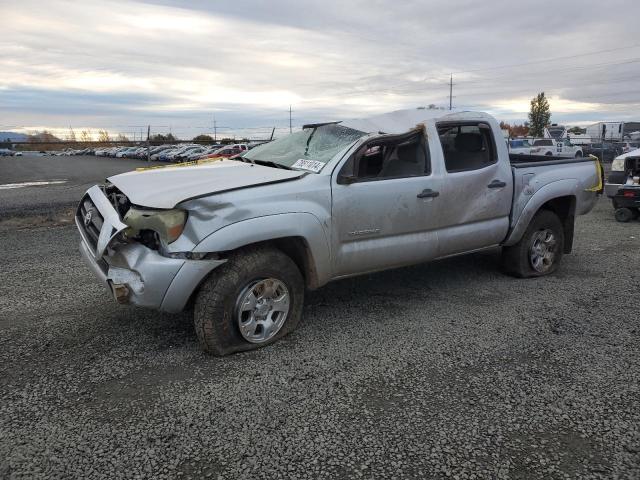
x: 148, y: 144
x: 215, y: 130
x: 272, y: 132
x: 451, y: 92
x: 290, y: 129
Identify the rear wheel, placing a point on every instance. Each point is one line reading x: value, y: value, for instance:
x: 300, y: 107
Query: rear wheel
x: 578, y: 154
x: 251, y: 301
x: 540, y: 249
x: 624, y: 214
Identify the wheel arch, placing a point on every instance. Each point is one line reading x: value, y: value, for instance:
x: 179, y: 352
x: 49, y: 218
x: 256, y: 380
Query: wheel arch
x: 565, y: 208
x: 558, y: 197
x: 300, y: 236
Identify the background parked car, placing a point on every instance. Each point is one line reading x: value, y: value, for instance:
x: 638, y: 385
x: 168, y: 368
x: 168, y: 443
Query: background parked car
x: 183, y: 156
x: 225, y: 152
x: 629, y: 146
x: 519, y: 146
x: 606, y: 152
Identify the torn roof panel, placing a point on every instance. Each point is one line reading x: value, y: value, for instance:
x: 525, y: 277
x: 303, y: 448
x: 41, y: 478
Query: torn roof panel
x: 401, y: 121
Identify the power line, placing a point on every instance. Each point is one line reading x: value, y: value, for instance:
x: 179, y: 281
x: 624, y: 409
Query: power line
x: 572, y: 68
x: 536, y: 62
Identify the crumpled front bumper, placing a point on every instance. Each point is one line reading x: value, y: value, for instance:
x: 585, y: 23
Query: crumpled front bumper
x: 134, y: 273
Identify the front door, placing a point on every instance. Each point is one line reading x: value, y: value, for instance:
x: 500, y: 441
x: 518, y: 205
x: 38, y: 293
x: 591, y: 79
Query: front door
x: 385, y: 200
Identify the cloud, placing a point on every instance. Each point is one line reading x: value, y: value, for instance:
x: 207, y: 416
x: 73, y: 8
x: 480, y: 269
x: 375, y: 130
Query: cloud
x: 160, y: 62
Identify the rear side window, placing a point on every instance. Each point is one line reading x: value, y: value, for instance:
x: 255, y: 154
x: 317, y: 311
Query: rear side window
x: 467, y: 146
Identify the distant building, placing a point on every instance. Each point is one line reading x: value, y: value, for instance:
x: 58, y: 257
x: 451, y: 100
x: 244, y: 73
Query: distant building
x: 613, y: 131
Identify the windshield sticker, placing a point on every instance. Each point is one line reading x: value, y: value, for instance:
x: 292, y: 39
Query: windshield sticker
x: 310, y: 165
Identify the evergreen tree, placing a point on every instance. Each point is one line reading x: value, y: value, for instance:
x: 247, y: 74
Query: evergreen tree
x: 539, y: 115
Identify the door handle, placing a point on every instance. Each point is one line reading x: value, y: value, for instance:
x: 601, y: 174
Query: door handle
x: 428, y: 193
x: 497, y: 184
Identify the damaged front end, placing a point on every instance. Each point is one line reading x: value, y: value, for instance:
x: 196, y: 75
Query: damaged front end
x: 126, y: 246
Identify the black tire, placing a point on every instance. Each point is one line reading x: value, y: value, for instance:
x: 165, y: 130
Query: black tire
x: 517, y: 258
x: 578, y: 154
x: 548, y: 154
x: 623, y: 214
x: 635, y: 212
x: 215, y: 318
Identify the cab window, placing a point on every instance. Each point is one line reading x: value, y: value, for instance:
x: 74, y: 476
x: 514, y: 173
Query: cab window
x: 467, y: 146
x: 388, y: 158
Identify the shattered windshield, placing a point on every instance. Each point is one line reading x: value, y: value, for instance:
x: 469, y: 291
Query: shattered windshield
x: 309, y: 149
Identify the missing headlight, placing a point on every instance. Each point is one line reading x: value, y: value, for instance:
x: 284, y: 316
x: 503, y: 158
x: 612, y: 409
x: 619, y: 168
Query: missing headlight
x: 159, y: 225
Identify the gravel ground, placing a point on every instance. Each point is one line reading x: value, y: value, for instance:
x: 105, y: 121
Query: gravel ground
x: 444, y: 370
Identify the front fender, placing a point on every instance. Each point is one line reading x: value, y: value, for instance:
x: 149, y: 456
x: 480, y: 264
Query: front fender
x: 559, y: 188
x: 273, y: 227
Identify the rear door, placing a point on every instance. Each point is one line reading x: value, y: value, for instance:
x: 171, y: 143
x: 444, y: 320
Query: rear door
x: 477, y: 190
x: 384, y: 208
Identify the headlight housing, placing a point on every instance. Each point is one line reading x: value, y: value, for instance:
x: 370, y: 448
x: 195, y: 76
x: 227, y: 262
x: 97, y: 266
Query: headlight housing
x: 168, y: 224
x: 617, y: 165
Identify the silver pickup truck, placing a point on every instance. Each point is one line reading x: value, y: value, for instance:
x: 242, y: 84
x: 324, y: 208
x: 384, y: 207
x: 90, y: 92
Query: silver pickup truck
x: 241, y: 240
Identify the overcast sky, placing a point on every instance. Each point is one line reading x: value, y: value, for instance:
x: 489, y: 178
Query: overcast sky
x: 124, y: 64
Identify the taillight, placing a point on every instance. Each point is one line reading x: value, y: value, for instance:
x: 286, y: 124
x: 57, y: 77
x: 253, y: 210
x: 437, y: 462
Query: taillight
x: 629, y: 194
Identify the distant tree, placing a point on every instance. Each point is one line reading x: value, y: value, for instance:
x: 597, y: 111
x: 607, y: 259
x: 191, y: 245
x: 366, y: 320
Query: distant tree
x: 515, y: 130
x: 122, y: 138
x: 539, y: 115
x: 577, y: 130
x: 103, y: 136
x: 85, y: 136
x: 44, y: 136
x: 520, y: 130
x: 159, y: 137
x: 44, y: 140
x: 71, y: 136
x: 203, y: 138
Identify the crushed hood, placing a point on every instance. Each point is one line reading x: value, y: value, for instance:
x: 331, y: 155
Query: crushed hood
x: 165, y: 187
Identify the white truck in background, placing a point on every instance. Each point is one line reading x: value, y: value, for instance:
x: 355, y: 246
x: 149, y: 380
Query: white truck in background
x: 558, y: 148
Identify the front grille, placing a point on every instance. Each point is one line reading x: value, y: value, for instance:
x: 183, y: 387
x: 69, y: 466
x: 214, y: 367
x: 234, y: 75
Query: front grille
x: 632, y: 165
x: 89, y: 221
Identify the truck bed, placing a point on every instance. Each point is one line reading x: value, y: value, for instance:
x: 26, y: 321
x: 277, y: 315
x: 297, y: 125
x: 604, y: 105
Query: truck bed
x: 576, y: 176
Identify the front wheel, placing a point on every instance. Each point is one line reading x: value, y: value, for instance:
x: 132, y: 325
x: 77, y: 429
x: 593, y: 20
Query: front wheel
x: 251, y: 301
x: 578, y: 154
x: 540, y: 249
